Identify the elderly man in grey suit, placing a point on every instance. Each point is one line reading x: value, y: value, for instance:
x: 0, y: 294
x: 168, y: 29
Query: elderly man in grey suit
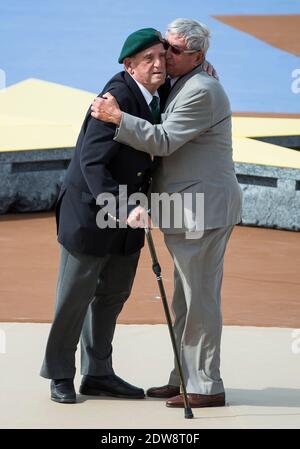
x: 195, y: 145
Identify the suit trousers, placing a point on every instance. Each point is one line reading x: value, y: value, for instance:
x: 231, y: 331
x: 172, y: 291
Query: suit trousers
x: 91, y: 292
x: 198, y: 273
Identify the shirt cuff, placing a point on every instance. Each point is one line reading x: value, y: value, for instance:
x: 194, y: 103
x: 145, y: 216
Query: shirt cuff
x: 118, y: 127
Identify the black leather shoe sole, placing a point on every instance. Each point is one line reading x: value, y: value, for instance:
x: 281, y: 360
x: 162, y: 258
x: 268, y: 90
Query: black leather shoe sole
x: 89, y: 391
x: 63, y: 400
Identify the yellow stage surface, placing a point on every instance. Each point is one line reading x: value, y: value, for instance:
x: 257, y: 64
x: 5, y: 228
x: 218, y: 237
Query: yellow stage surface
x: 36, y: 115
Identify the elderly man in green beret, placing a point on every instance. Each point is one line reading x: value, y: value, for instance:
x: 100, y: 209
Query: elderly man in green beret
x: 98, y: 265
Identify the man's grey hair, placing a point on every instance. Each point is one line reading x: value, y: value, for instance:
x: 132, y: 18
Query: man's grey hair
x: 196, y: 34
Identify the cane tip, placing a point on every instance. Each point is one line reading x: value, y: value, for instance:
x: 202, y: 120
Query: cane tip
x: 188, y: 414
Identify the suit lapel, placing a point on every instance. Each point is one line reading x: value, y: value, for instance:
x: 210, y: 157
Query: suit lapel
x: 145, y: 112
x: 164, y: 92
x: 180, y: 83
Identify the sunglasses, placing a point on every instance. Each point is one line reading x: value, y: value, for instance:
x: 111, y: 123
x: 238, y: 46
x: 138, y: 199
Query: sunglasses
x: 177, y: 50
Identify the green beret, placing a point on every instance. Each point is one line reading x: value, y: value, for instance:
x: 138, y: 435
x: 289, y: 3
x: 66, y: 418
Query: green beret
x: 138, y: 41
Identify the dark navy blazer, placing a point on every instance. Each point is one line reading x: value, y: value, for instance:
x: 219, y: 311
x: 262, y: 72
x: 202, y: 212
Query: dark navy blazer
x: 99, y: 165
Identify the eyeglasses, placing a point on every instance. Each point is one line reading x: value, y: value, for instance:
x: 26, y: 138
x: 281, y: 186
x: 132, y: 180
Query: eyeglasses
x: 177, y: 50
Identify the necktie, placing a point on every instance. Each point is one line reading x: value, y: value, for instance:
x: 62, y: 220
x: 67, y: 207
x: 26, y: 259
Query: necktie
x: 155, y: 109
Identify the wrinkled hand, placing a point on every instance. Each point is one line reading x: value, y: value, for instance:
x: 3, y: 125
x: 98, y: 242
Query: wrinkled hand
x: 106, y: 108
x: 209, y: 68
x: 139, y: 218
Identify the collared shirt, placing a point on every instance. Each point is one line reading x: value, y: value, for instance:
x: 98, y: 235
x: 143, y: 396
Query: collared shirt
x: 146, y: 94
x: 173, y: 80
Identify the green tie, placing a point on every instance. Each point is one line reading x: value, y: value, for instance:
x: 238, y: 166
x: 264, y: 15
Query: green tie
x: 155, y: 109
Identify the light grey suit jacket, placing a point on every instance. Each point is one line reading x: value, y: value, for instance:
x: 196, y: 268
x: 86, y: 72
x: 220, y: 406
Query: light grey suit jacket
x: 194, y: 140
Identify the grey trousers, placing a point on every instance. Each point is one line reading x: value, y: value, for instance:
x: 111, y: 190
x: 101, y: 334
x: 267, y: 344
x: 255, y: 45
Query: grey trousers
x: 91, y: 292
x: 198, y: 273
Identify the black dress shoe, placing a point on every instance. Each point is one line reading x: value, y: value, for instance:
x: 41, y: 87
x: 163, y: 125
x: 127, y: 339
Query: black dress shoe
x: 110, y: 385
x: 62, y: 390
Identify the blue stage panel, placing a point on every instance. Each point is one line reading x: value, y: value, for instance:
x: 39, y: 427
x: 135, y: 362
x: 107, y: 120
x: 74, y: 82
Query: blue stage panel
x: 77, y: 44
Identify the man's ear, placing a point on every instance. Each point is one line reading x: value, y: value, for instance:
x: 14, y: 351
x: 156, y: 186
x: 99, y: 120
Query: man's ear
x: 128, y: 65
x: 199, y: 58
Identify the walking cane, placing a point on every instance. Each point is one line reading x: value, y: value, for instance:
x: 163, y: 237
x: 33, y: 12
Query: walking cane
x: 188, y: 414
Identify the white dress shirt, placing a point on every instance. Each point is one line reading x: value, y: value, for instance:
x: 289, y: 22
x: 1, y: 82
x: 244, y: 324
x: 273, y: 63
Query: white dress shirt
x: 146, y: 94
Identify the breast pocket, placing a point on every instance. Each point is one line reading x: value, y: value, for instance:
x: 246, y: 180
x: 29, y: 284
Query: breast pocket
x: 183, y: 186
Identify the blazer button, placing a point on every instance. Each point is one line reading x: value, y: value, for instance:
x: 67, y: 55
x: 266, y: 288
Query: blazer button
x: 139, y: 173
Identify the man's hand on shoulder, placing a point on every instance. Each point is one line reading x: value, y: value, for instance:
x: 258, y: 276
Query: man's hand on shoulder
x: 106, y: 108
